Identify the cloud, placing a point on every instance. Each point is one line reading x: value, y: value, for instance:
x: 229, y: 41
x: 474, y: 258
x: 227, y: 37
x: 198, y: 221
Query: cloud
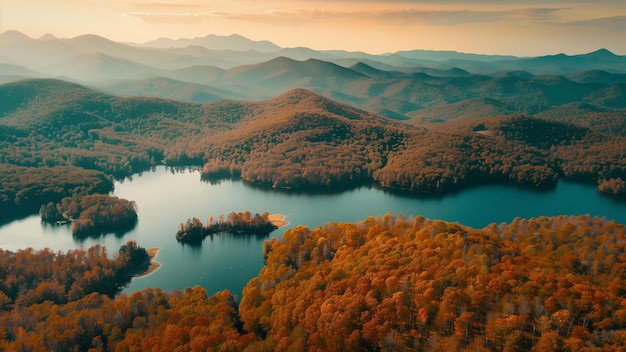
x: 170, y: 4
x: 519, y: 3
x: 457, y: 3
x: 173, y: 17
x: 615, y: 23
x: 403, y: 17
x: 170, y: 12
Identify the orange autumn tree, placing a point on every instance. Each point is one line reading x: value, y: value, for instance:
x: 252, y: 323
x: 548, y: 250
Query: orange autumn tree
x: 396, y: 283
x: 386, y: 283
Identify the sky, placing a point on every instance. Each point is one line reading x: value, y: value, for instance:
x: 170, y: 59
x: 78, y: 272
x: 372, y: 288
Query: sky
x: 522, y: 28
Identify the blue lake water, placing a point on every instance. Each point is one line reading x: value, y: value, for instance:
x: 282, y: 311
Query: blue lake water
x: 165, y: 198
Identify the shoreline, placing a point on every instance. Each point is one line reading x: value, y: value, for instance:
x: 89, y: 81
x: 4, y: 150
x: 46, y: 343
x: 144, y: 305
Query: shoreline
x: 278, y: 220
x: 154, y: 265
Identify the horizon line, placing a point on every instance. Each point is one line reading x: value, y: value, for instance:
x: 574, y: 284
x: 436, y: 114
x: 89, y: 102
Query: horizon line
x: 49, y: 34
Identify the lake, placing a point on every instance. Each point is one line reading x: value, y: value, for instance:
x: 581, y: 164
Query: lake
x: 166, y: 197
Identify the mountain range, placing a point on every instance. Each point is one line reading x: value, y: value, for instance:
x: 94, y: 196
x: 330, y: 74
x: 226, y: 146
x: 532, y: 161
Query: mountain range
x: 419, y: 85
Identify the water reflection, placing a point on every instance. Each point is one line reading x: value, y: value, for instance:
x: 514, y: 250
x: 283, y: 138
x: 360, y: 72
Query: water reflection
x: 118, y: 232
x: 234, y: 237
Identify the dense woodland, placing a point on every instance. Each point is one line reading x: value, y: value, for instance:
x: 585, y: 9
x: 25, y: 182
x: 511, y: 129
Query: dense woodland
x: 242, y: 222
x: 297, y: 140
x: 22, y: 189
x: 387, y: 283
x: 392, y: 283
x: 92, y: 214
x: 613, y: 186
x: 31, y: 277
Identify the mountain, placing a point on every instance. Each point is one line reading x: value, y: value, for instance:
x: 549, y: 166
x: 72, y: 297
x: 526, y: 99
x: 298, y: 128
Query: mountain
x: 203, y: 74
x: 30, y: 53
x: 10, y: 37
x: 167, y: 88
x: 466, y: 109
x: 435, y: 55
x: 601, y: 59
x: 371, y: 71
x: 230, y: 51
x: 100, y: 67
x: 392, y: 85
x: 597, y: 76
x: 48, y: 36
x: 398, y: 93
x: 281, y: 74
x: 232, y: 42
x: 43, y: 95
x: 17, y: 70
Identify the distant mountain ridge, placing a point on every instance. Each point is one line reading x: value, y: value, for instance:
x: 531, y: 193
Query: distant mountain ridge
x: 173, y: 52
x: 233, y: 42
x: 398, y: 85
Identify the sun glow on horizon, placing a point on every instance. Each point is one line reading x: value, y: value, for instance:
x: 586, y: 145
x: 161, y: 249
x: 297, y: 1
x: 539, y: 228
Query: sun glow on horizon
x: 517, y: 28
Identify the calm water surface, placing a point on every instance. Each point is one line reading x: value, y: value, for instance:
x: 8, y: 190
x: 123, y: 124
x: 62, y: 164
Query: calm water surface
x: 166, y: 198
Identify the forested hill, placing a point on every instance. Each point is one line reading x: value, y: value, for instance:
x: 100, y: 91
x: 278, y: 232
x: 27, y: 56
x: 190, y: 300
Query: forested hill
x: 298, y: 139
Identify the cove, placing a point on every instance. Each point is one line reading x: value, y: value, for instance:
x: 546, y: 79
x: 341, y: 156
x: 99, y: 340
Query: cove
x: 166, y: 197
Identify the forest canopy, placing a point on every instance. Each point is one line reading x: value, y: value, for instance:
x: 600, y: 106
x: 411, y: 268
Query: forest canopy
x: 386, y: 283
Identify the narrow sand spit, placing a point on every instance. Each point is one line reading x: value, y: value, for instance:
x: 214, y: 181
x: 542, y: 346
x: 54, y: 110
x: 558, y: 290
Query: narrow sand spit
x: 278, y: 220
x: 154, y: 265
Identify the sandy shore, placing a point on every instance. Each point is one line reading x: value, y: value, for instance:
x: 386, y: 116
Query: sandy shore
x: 154, y: 265
x: 278, y: 220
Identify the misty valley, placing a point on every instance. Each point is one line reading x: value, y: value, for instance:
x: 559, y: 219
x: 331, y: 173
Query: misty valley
x: 434, y: 200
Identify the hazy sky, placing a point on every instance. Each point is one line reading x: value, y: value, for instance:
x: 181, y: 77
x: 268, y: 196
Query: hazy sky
x: 490, y: 26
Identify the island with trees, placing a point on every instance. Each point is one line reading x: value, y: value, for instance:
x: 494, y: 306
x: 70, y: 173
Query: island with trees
x: 92, y: 214
x: 193, y: 231
x: 613, y: 186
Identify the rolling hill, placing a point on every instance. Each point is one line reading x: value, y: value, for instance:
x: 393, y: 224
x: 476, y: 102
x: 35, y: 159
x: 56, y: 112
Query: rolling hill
x: 282, y: 74
x: 300, y: 139
x: 167, y: 88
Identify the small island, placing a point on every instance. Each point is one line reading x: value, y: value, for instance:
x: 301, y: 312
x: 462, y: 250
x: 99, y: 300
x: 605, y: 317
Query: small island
x: 193, y: 231
x: 91, y: 214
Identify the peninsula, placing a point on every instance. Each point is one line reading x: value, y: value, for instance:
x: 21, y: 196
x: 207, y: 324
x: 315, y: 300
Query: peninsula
x: 91, y: 214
